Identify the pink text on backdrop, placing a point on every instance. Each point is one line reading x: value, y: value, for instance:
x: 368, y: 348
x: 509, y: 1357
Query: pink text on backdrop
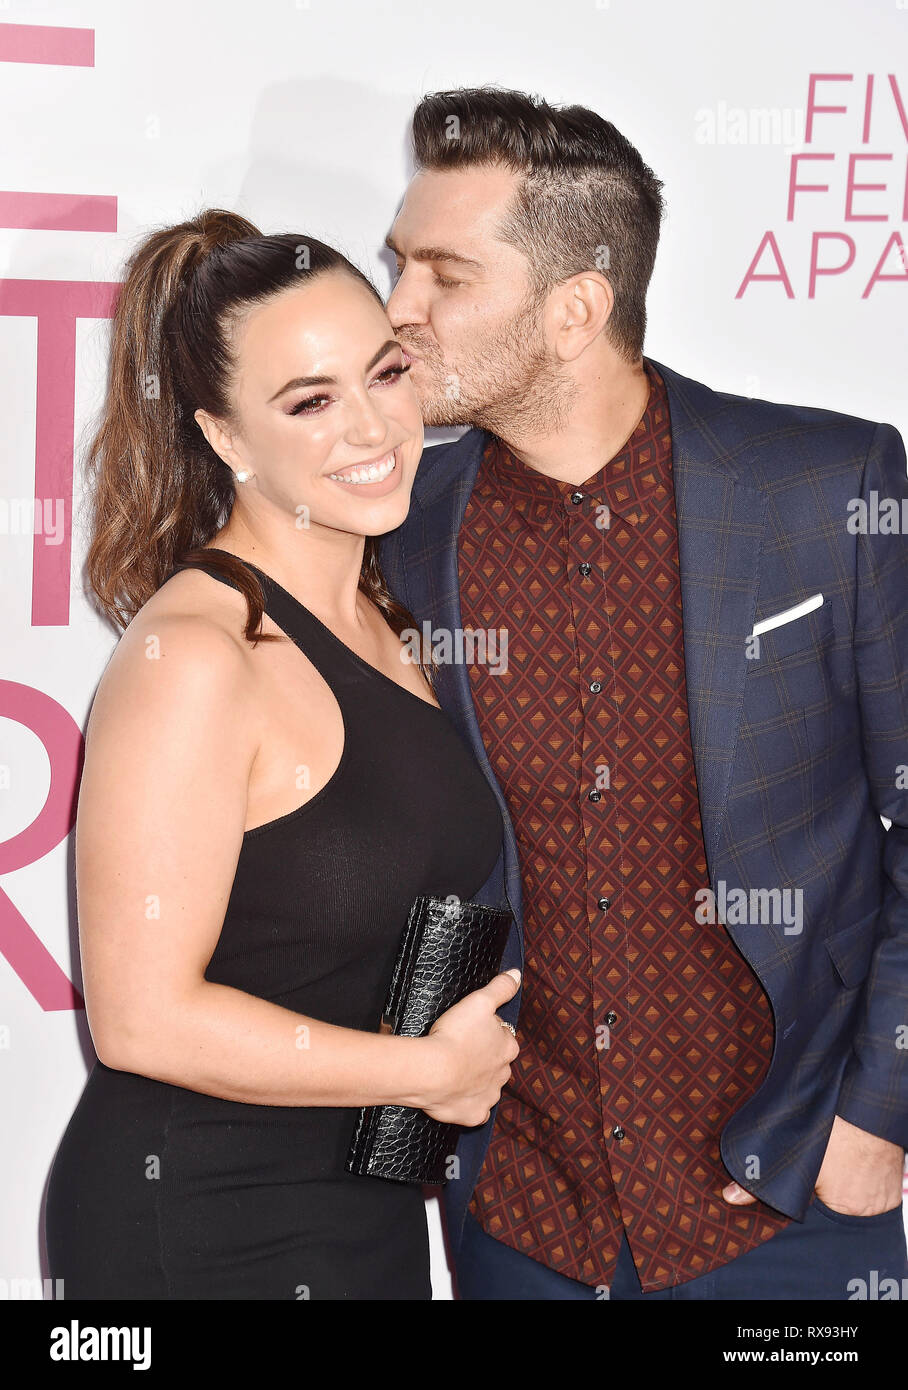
x: 63, y: 743
x: 47, y: 43
x: 56, y: 304
x: 870, y: 179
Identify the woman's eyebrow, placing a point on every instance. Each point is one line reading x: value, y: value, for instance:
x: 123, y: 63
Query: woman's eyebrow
x: 298, y: 381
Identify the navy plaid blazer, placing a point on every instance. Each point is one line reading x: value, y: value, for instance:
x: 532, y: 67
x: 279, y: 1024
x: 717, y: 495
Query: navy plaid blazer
x: 798, y: 751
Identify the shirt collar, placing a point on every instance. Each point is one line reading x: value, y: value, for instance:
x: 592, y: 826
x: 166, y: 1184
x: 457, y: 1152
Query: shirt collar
x: 622, y: 485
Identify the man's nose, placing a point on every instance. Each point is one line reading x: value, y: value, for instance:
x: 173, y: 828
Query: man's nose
x: 403, y: 304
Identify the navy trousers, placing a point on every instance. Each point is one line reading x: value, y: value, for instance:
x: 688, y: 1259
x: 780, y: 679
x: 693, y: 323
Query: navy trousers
x: 826, y: 1256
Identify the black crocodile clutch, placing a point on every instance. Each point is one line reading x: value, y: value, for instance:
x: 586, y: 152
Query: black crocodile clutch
x: 448, y: 949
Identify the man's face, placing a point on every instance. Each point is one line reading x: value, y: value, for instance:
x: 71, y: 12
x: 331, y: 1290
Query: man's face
x: 462, y: 305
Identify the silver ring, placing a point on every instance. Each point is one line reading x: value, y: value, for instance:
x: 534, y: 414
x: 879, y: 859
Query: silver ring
x: 510, y: 1027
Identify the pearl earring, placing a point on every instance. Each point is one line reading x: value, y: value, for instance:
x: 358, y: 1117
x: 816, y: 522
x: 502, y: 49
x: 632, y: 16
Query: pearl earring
x: 244, y: 475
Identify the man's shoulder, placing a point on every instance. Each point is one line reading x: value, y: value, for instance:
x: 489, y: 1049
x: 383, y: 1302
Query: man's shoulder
x: 698, y: 399
x: 765, y: 440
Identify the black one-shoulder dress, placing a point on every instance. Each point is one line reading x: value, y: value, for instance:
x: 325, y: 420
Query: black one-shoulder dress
x: 161, y: 1192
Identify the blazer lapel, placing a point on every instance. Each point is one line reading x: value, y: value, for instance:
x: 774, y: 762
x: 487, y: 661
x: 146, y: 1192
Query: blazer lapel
x: 432, y: 591
x: 720, y: 528
x: 432, y: 582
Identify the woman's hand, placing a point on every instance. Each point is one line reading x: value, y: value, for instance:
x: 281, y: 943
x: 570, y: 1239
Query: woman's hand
x: 471, y: 1055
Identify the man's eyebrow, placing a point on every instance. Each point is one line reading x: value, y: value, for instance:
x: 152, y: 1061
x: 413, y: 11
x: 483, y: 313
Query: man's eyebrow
x: 298, y: 381
x: 436, y: 253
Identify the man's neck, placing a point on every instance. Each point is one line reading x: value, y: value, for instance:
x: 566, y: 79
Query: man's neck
x: 609, y: 406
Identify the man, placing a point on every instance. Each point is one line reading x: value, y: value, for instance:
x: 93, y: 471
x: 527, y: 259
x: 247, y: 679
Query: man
x: 700, y: 720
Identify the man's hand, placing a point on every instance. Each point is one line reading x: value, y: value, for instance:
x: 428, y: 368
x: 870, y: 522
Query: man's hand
x: 861, y: 1174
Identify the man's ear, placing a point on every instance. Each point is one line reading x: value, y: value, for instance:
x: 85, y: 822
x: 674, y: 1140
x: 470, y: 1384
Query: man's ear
x: 581, y: 309
x: 220, y: 439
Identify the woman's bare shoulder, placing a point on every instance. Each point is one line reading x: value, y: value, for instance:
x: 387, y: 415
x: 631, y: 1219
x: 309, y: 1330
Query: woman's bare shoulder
x: 184, y: 647
x: 195, y: 601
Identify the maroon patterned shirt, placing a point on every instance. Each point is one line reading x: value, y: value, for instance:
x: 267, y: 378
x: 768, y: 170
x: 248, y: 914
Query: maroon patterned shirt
x: 641, y: 1030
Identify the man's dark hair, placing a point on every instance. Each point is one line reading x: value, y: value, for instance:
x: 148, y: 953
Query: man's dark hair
x: 586, y: 200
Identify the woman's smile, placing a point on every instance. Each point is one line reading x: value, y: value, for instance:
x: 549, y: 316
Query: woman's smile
x: 374, y: 479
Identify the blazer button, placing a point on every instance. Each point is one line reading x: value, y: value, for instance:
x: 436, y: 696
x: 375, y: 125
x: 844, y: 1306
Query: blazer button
x: 618, y: 1132
x: 611, y: 1017
x: 594, y: 795
x: 604, y: 904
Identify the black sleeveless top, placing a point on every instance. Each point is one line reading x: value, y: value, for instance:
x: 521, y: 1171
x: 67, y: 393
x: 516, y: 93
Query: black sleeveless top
x: 253, y: 1201
x: 321, y: 894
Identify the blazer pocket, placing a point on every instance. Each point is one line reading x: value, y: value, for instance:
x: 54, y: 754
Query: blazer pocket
x: 851, y: 949
x: 788, y: 615
x: 801, y: 634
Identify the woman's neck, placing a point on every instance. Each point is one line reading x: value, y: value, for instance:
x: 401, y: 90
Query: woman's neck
x: 320, y: 567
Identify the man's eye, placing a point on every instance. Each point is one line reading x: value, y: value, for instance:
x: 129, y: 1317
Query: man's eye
x: 445, y: 284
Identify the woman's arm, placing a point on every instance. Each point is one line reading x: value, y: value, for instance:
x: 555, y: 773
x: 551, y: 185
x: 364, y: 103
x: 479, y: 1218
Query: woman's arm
x: 162, y: 806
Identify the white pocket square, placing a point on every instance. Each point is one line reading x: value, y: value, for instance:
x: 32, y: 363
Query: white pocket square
x: 788, y: 615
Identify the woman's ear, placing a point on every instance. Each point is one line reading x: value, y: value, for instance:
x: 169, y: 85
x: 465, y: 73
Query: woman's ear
x: 220, y: 439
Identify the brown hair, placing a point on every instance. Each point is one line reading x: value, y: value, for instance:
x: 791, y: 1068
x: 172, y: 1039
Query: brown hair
x: 159, y: 490
x: 584, y: 191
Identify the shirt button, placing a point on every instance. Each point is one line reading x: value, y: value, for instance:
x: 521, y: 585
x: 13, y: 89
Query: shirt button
x: 585, y: 569
x: 611, y: 1017
x: 594, y: 795
x: 595, y: 687
x: 618, y: 1132
x: 576, y: 498
x: 604, y: 904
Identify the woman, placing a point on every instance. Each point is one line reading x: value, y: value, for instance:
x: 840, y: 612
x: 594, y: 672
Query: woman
x: 267, y: 787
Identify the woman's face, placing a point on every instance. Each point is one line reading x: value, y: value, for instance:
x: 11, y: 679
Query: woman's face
x: 325, y: 416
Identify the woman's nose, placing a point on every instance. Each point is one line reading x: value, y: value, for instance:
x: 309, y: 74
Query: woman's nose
x: 367, y: 424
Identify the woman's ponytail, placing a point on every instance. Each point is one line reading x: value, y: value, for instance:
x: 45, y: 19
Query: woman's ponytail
x: 158, y: 489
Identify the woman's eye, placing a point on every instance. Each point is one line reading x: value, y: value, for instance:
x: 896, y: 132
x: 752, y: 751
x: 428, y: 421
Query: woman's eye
x: 313, y: 404
x: 393, y: 373
x: 308, y: 406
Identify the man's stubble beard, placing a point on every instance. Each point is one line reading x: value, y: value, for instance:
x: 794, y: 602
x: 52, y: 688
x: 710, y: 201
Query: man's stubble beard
x: 508, y: 384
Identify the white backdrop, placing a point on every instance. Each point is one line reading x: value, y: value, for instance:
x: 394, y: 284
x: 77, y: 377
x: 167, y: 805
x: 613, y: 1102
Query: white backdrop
x: 295, y: 113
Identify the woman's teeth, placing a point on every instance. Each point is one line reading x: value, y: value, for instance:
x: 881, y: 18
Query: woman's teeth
x: 374, y: 473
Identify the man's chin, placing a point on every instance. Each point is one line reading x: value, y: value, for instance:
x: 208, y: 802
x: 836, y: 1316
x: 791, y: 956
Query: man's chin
x: 441, y: 416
